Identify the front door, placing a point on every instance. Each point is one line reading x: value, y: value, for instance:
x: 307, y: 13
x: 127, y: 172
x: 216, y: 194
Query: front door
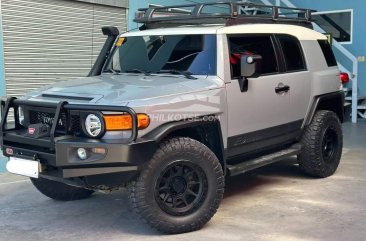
x: 259, y: 117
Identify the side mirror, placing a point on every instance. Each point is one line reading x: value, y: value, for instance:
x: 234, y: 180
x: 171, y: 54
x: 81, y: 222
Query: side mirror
x: 250, y: 66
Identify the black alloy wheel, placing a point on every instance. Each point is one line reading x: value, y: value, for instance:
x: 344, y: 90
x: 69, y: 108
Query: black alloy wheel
x: 181, y: 188
x: 330, y: 144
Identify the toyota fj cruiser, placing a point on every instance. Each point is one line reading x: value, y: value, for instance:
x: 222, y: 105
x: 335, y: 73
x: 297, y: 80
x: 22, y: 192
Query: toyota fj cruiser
x: 171, y: 109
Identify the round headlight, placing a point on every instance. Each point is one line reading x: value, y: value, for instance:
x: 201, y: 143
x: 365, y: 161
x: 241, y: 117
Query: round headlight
x: 93, y: 125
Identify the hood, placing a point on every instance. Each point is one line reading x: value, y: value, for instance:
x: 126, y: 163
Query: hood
x: 120, y: 89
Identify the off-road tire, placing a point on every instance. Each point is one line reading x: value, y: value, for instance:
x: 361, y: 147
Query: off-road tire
x: 60, y: 191
x: 147, y: 201
x: 316, y: 160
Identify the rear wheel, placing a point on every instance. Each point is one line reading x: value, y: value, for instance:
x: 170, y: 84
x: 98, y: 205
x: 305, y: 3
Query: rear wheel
x: 60, y: 191
x: 323, y: 143
x: 180, y: 189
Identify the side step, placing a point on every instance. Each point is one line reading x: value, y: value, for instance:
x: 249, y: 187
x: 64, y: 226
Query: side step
x: 264, y: 160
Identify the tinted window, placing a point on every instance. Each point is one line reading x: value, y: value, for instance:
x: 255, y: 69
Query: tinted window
x: 328, y: 53
x: 292, y: 52
x: 256, y: 45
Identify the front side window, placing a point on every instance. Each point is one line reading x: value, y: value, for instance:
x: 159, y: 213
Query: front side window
x: 292, y: 52
x: 195, y: 54
x: 252, y: 45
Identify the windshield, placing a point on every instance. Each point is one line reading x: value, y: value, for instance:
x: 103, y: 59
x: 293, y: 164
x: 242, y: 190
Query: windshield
x: 194, y: 54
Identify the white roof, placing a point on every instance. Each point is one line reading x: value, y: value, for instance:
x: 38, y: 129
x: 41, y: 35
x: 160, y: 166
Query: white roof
x: 176, y: 31
x: 299, y: 32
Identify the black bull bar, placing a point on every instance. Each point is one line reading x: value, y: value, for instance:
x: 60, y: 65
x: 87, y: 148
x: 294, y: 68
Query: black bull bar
x: 60, y: 107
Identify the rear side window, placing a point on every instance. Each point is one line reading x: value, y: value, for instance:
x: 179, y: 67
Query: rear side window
x: 328, y: 53
x: 294, y: 58
x: 256, y: 45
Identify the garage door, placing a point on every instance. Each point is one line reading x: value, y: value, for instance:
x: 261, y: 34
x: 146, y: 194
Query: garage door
x: 51, y: 40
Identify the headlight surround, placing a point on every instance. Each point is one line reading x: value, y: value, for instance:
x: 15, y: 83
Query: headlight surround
x: 94, y: 126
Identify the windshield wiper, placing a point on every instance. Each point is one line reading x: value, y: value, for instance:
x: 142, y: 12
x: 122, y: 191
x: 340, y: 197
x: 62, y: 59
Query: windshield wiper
x: 138, y: 71
x: 186, y: 74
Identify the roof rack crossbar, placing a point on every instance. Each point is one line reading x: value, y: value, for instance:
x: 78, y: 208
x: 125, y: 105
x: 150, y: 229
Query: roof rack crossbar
x: 170, y: 13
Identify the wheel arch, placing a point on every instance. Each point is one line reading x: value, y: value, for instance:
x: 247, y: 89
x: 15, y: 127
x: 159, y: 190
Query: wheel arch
x: 332, y: 102
x: 207, y: 132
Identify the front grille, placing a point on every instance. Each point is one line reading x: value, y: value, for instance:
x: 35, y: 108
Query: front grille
x: 36, y: 117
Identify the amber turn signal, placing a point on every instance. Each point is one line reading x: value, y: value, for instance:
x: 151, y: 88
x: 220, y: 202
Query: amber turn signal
x: 124, y: 122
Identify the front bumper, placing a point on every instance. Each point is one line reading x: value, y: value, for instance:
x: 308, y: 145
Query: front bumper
x: 63, y: 160
x: 58, y: 153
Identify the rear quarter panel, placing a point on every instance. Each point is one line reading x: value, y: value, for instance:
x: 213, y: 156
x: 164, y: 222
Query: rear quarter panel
x: 324, y: 79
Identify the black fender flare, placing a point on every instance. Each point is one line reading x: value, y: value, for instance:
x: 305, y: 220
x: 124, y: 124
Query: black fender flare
x: 211, y: 123
x: 318, y: 100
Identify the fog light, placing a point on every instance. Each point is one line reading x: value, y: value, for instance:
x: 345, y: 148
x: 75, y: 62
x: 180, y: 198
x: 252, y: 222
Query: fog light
x: 82, y: 154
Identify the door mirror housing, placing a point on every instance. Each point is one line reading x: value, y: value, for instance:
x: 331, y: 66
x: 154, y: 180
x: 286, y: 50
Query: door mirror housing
x: 250, y: 66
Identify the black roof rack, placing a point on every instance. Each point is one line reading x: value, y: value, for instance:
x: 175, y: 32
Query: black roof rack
x: 221, y: 13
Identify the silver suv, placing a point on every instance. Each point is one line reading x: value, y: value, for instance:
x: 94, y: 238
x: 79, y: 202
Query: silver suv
x: 170, y: 110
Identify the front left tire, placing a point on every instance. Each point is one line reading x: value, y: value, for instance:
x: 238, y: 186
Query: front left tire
x: 180, y: 189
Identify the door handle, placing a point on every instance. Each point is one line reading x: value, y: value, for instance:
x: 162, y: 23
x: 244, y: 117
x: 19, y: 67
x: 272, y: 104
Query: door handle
x: 282, y: 88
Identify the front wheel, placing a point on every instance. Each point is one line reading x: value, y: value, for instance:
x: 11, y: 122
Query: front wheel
x: 180, y: 189
x: 323, y: 143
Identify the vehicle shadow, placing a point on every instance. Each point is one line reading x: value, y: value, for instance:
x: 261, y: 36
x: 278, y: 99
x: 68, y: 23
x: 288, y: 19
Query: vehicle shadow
x: 241, y: 185
x: 248, y: 183
x: 110, y: 214
x: 268, y: 175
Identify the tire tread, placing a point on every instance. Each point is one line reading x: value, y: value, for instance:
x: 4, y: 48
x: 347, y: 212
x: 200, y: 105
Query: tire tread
x: 137, y: 191
x: 310, y: 159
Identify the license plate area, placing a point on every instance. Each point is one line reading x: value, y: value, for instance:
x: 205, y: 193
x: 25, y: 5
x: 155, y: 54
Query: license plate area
x: 23, y: 167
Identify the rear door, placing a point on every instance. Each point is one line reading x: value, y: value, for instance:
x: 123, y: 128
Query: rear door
x: 297, y: 77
